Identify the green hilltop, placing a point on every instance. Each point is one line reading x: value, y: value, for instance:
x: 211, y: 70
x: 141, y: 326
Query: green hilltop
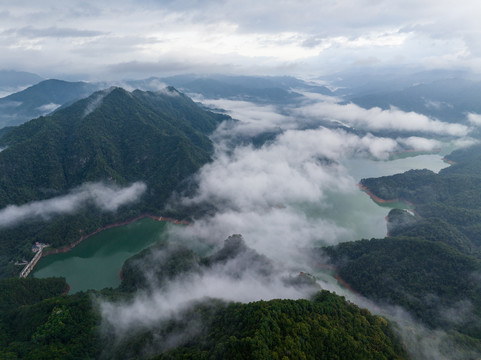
x: 47, y: 324
x: 430, y: 263
x: 113, y: 136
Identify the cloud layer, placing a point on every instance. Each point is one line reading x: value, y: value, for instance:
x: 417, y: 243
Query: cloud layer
x: 376, y: 119
x: 105, y: 198
x: 147, y: 37
x: 284, y: 196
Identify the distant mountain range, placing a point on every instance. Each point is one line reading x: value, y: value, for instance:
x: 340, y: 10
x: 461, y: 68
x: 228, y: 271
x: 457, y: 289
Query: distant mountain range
x: 41, y: 99
x: 256, y: 89
x: 362, y: 81
x: 12, y: 81
x: 47, y: 96
x: 448, y: 99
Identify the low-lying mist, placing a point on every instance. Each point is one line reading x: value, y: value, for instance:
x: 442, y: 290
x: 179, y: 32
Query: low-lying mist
x: 104, y: 197
x: 277, y: 195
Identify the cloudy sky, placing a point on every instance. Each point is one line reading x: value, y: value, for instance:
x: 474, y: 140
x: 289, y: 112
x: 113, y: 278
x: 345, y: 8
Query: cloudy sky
x: 298, y: 37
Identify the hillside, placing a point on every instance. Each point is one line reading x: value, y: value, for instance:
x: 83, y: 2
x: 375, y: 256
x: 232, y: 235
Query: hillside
x: 41, y: 99
x: 113, y: 136
x: 326, y: 326
x: 430, y: 264
x: 452, y: 196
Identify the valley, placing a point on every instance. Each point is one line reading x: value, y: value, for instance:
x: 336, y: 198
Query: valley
x: 292, y: 193
x: 98, y: 257
x: 210, y: 180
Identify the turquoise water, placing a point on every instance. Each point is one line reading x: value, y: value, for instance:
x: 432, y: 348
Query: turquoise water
x: 96, y: 262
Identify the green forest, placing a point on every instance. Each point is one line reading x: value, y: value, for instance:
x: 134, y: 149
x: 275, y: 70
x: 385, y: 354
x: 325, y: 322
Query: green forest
x: 46, y: 323
x: 429, y: 265
x: 431, y: 261
x: 159, y: 139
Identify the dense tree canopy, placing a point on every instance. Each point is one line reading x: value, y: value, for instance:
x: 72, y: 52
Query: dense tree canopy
x: 113, y: 136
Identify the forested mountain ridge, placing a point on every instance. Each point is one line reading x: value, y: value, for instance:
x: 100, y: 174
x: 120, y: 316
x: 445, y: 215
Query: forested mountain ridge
x: 451, y: 196
x: 45, y: 324
x: 430, y: 263
x: 114, y: 136
x: 127, y: 137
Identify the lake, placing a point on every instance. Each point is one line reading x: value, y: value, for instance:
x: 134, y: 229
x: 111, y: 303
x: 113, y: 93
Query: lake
x: 95, y: 263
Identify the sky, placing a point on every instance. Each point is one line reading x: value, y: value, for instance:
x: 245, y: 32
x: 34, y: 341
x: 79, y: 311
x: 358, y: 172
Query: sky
x: 305, y: 38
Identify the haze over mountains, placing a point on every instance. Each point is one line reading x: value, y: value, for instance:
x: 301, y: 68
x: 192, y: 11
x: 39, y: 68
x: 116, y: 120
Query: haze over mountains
x: 269, y: 171
x: 257, y: 161
x: 48, y: 95
x: 41, y: 99
x: 115, y: 137
x: 13, y: 81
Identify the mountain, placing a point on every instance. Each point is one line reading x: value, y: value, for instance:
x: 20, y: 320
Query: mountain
x: 326, y: 327
x: 37, y: 321
x: 429, y: 264
x: 258, y: 89
x: 448, y: 99
x: 113, y: 136
x: 360, y: 81
x: 428, y: 278
x: 12, y: 81
x: 41, y: 99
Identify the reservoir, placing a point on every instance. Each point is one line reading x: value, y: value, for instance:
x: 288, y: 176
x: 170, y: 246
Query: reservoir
x: 358, y: 212
x: 96, y: 262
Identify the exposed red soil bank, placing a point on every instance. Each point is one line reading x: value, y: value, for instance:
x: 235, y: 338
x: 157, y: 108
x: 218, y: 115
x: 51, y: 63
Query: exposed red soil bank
x: 345, y: 284
x: 67, y: 290
x: 451, y: 162
x: 336, y: 276
x: 66, y: 248
x: 375, y: 197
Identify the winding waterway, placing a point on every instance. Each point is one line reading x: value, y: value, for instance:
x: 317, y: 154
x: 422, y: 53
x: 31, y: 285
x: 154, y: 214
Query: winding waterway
x: 95, y: 263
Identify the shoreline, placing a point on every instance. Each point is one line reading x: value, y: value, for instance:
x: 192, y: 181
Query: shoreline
x: 450, y: 162
x: 375, y: 197
x: 421, y: 152
x: 334, y: 273
x: 69, y: 247
x: 345, y: 284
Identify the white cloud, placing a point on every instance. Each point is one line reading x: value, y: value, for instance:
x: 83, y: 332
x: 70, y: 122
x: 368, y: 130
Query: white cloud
x: 376, y: 119
x: 242, y: 36
x: 96, y: 101
x: 279, y: 196
x: 264, y: 193
x: 48, y: 108
x: 465, y: 142
x: 290, y: 169
x: 150, y: 308
x: 254, y: 118
x: 105, y: 198
x: 421, y: 144
x: 474, y: 119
